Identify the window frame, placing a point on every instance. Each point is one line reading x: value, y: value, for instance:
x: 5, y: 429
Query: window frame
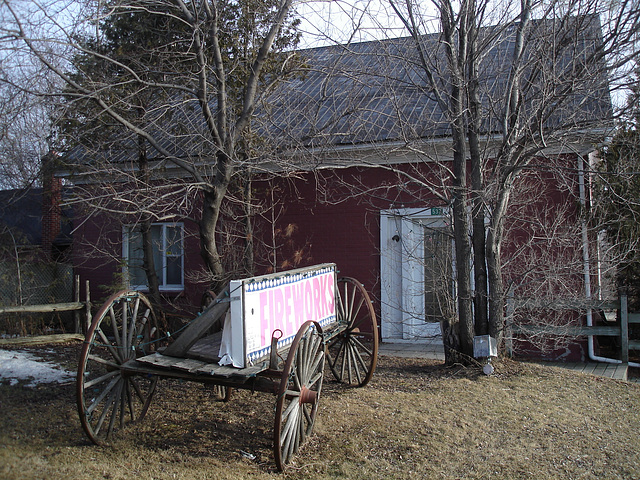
x: 162, y: 271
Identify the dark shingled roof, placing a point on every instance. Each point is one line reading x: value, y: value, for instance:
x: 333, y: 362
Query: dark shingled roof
x: 377, y: 91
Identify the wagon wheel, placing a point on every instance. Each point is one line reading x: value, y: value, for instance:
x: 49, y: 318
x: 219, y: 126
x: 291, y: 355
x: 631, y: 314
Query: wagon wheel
x: 300, y: 387
x: 353, y: 354
x: 220, y: 392
x: 109, y: 398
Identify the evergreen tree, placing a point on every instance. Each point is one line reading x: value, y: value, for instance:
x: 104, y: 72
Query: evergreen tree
x: 174, y: 85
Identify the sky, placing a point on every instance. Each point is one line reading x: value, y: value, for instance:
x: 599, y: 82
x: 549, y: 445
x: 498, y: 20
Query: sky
x: 328, y: 22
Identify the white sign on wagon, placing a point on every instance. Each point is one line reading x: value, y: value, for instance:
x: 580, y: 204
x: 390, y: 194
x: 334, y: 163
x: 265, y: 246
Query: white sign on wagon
x: 280, y: 302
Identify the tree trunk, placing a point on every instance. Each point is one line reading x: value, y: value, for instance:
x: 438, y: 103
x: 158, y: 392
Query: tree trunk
x: 477, y: 185
x: 463, y: 270
x: 479, y: 268
x: 461, y: 237
x: 248, y: 227
x: 212, y: 200
x: 458, y: 336
x: 148, y: 264
x: 494, y: 263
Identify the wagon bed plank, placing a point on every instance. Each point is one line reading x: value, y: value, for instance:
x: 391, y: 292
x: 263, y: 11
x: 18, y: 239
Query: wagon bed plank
x: 199, y: 367
x: 189, y: 365
x: 164, y: 361
x: 159, y: 360
x: 228, y: 372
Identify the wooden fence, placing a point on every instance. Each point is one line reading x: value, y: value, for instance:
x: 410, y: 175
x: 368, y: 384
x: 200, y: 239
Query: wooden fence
x: 77, y: 307
x: 619, y: 330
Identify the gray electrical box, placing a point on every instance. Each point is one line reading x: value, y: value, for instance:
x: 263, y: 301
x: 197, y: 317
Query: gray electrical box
x: 485, y: 346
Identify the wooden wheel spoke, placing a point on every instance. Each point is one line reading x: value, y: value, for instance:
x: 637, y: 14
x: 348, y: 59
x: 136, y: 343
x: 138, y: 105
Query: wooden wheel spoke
x: 307, y: 413
x: 340, y: 344
x: 353, y: 362
x: 117, y: 401
x: 360, y: 361
x: 291, y: 394
x: 99, y: 398
x: 134, y: 318
x: 125, y: 399
x: 302, y: 363
x: 311, y: 359
x: 356, y: 319
x: 362, y: 346
x: 340, y: 313
x: 297, y: 437
x: 299, y: 392
x: 301, y: 434
x: 349, y: 357
x: 316, y: 368
x: 125, y: 320
x: 343, y: 362
x: 138, y: 391
x: 114, y: 325
x: 111, y: 400
x: 344, y: 303
x: 141, y: 328
x: 296, y: 381
x: 289, y: 426
x: 102, y: 378
x: 130, y: 402
x: 352, y: 302
x: 353, y: 353
x: 103, y: 361
x: 107, y: 344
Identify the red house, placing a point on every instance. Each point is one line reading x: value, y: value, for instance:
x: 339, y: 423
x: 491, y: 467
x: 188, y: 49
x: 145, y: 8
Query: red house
x: 362, y: 178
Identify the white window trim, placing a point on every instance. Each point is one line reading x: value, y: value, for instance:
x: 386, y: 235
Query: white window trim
x: 163, y: 285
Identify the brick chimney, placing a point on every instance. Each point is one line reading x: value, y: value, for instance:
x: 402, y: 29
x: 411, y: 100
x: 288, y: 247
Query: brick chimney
x: 51, y: 210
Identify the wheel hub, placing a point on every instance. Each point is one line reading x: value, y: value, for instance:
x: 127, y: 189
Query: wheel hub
x: 308, y: 396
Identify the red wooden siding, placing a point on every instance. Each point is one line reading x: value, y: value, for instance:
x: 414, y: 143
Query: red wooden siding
x: 324, y: 217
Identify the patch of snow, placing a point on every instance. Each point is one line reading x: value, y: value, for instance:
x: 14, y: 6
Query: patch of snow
x: 19, y: 365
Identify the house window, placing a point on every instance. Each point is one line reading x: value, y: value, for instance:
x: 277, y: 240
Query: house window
x: 168, y: 256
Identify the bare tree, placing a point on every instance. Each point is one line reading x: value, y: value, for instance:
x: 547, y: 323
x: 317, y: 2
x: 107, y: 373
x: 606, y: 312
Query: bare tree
x: 468, y: 111
x: 185, y: 96
x: 616, y: 194
x: 25, y: 119
x: 555, y: 66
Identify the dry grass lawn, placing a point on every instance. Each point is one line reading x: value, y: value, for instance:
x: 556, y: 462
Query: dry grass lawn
x: 417, y: 419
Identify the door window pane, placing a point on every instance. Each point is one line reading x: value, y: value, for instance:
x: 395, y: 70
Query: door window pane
x: 437, y: 273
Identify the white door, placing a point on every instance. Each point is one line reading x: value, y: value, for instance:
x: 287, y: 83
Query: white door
x: 416, y: 272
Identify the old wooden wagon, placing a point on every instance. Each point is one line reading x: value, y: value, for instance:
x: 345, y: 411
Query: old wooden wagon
x: 277, y: 331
